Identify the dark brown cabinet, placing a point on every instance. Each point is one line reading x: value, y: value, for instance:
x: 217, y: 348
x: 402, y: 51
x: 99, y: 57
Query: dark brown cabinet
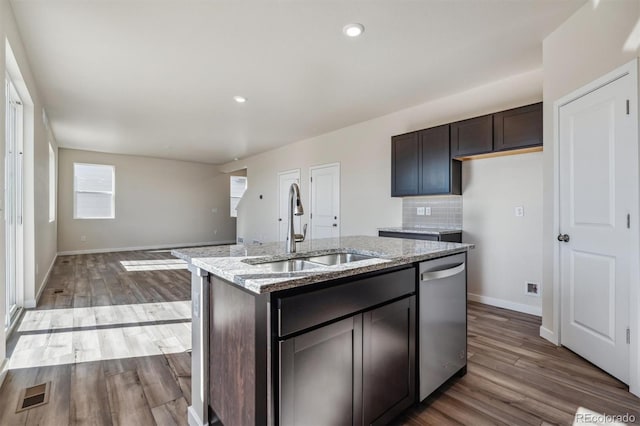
x: 421, y: 164
x: 426, y: 162
x: 321, y: 376
x: 388, y: 336
x: 437, y: 172
x: 404, y: 165
x: 357, y: 371
x: 472, y: 136
x: 453, y: 237
x: 518, y: 128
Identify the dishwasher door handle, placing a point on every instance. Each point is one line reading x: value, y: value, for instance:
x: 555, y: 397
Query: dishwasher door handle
x: 443, y: 273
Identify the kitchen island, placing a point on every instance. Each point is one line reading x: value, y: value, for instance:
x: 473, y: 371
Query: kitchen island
x: 327, y: 335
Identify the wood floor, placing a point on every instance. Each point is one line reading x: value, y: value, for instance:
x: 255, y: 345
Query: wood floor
x: 112, y: 333
x: 514, y: 377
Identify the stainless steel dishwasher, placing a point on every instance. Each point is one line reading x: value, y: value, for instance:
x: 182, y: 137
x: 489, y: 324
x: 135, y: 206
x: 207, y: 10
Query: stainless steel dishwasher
x: 442, y: 321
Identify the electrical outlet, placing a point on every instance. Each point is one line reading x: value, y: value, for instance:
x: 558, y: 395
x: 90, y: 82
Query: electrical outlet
x: 519, y: 211
x: 214, y: 210
x: 427, y: 211
x: 83, y: 238
x: 420, y: 211
x: 215, y: 232
x: 532, y: 289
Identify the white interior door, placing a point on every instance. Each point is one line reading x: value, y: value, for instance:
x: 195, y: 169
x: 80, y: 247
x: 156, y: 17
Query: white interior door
x: 285, y: 179
x: 325, y: 201
x: 13, y: 202
x: 598, y: 175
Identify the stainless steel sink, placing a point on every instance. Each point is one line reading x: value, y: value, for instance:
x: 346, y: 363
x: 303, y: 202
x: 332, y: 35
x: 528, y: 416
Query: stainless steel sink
x: 290, y: 265
x: 338, y: 258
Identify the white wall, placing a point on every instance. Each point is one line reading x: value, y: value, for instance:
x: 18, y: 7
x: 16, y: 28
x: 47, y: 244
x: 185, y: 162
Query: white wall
x: 364, y: 152
x: 41, y: 235
x: 509, y: 248
x: 588, y: 45
x: 159, y: 203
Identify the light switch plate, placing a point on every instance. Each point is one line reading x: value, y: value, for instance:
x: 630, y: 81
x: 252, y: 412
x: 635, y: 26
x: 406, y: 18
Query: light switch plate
x: 427, y: 211
x: 420, y: 211
x: 519, y: 211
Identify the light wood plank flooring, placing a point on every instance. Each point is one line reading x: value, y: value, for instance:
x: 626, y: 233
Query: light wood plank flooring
x: 112, y: 331
x: 112, y: 334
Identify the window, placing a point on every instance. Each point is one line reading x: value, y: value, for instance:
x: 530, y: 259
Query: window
x: 52, y: 184
x: 93, y: 187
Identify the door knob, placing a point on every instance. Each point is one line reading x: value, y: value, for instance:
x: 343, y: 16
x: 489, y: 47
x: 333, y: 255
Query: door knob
x: 563, y: 238
x: 335, y: 225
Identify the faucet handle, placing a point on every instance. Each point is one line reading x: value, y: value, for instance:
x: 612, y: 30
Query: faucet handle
x: 300, y: 238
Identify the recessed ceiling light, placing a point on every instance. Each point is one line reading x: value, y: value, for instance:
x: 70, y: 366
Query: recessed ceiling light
x: 240, y: 99
x: 353, y: 30
x: 236, y: 159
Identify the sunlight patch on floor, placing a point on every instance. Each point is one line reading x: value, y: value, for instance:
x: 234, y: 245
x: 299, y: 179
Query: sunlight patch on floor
x: 56, y: 319
x: 46, y: 349
x: 153, y: 265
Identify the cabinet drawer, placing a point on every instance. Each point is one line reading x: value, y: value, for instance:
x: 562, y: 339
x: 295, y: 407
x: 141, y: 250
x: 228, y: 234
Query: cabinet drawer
x: 302, y: 311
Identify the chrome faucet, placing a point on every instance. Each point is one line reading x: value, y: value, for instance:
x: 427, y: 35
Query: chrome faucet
x: 295, y: 208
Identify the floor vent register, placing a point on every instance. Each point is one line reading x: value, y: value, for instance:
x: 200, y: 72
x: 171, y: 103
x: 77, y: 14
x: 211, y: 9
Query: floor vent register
x: 34, y: 396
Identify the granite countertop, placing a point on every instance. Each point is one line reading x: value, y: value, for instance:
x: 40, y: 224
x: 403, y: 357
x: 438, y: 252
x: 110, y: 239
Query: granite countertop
x: 240, y: 264
x: 420, y: 230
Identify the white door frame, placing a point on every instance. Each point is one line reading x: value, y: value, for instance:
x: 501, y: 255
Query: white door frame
x: 285, y: 172
x: 322, y: 166
x: 630, y: 69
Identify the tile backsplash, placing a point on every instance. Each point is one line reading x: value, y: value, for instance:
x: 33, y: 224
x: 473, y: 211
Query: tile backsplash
x: 446, y: 212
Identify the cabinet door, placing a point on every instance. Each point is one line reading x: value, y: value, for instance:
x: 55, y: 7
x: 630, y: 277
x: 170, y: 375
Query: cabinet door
x: 435, y: 161
x: 404, y: 165
x: 321, y: 376
x: 518, y: 127
x: 388, y: 361
x: 473, y: 136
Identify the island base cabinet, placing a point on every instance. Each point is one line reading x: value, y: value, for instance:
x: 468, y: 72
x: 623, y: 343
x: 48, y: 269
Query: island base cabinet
x: 321, y: 376
x: 357, y: 371
x: 388, y: 361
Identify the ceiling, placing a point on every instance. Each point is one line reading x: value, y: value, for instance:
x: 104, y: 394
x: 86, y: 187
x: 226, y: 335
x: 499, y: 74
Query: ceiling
x: 157, y: 78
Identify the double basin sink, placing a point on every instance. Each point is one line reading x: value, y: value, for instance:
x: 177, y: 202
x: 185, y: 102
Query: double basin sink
x: 312, y: 262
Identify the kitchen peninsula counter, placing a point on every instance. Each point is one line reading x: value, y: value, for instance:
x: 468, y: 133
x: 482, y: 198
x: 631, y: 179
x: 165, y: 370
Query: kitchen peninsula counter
x: 277, y: 348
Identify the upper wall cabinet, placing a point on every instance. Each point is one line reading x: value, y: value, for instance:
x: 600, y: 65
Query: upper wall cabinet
x: 438, y: 173
x: 422, y: 165
x: 426, y: 162
x: 518, y: 128
x: 472, y: 136
x: 404, y: 165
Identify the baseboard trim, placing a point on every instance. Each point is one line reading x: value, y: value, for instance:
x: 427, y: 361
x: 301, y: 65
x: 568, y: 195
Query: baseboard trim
x: 3, y: 369
x: 30, y: 304
x: 138, y: 248
x: 506, y: 304
x: 549, y: 335
x: 192, y: 417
